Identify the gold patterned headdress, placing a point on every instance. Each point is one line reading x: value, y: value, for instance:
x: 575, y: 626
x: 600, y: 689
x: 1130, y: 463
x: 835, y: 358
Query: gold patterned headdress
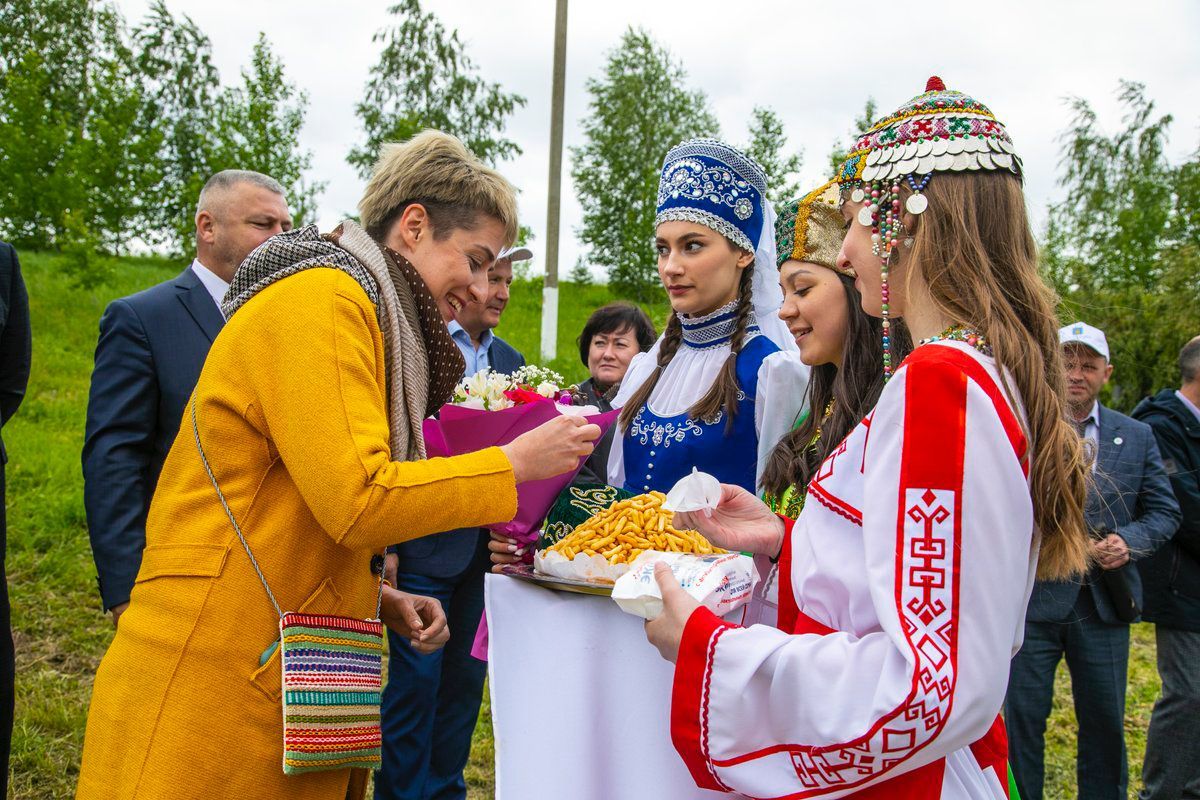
x: 811, y: 229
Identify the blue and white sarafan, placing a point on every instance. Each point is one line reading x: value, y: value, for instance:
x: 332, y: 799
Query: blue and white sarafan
x: 712, y: 184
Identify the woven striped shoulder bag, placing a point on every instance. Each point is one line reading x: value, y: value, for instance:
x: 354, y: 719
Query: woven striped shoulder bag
x: 332, y: 676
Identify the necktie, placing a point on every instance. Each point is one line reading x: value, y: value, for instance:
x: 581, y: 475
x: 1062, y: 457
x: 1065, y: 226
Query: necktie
x: 1089, y: 448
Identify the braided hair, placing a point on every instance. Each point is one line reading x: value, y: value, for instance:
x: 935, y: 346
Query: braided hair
x: 723, y: 394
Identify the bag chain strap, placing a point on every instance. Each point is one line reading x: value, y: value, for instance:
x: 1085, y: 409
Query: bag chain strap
x: 238, y: 529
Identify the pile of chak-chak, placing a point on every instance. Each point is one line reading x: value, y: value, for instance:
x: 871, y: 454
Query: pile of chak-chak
x: 621, y: 544
x: 628, y: 528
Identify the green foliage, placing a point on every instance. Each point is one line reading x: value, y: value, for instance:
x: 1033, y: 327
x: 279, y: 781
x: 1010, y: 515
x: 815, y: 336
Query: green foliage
x: 84, y: 258
x: 425, y: 79
x: 767, y: 142
x: 580, y: 274
x: 261, y: 121
x: 1123, y: 247
x: 174, y: 58
x: 841, y: 149
x: 76, y: 147
x: 640, y: 107
x: 1113, y: 227
x: 107, y: 134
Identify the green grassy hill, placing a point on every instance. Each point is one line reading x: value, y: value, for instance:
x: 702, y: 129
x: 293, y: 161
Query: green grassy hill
x: 59, y: 629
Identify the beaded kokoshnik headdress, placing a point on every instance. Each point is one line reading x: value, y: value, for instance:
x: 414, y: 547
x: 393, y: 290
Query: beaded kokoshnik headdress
x: 941, y: 130
x: 710, y: 183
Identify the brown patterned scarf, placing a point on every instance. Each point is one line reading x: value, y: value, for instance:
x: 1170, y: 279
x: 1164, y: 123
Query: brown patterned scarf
x: 423, y: 362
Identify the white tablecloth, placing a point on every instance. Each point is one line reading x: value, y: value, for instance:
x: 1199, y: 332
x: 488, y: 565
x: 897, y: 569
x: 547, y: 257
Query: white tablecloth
x: 580, y: 700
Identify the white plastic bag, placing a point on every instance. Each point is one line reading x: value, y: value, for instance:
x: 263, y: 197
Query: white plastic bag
x: 580, y: 568
x: 720, y: 583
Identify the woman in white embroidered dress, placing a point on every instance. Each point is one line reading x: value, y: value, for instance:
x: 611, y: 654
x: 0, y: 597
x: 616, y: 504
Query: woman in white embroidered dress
x: 903, y: 585
x: 724, y: 382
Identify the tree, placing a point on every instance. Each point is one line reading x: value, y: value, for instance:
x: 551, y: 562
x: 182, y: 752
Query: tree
x: 580, y: 274
x: 1119, y: 205
x: 174, y: 58
x: 76, y: 154
x: 258, y: 127
x: 425, y: 79
x: 108, y: 134
x: 841, y: 150
x: 767, y: 141
x: 639, y: 108
x: 1122, y: 248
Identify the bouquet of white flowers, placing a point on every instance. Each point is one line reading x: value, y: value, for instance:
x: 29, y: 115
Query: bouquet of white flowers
x: 493, y: 391
x: 491, y: 409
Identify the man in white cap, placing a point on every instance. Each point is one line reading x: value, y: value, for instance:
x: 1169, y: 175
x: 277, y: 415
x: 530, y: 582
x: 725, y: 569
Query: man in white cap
x: 1130, y: 511
x: 431, y: 701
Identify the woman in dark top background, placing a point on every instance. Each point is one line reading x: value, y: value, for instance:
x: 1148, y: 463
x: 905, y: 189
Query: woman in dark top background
x: 613, y: 335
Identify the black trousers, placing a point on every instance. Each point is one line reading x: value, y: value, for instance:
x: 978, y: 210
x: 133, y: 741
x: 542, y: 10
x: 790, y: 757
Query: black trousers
x: 7, y: 656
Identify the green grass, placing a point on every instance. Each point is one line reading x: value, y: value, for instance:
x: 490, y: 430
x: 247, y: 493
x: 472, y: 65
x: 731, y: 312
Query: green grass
x: 59, y: 629
x: 521, y: 324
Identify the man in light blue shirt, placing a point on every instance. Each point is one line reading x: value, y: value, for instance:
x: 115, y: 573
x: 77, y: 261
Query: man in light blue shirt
x: 1130, y: 511
x: 431, y: 701
x: 473, y: 329
x: 151, y: 348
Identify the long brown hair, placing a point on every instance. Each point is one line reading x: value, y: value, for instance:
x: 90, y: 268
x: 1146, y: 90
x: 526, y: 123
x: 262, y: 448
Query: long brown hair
x: 853, y: 388
x: 723, y: 394
x: 978, y: 259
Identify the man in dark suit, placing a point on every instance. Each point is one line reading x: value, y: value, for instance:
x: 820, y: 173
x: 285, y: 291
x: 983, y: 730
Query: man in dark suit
x: 431, y: 701
x: 15, y: 353
x: 1130, y: 512
x: 148, y: 358
x: 1171, y: 578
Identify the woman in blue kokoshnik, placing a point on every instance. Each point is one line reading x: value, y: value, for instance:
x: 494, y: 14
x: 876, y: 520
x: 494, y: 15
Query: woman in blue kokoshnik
x: 724, y: 382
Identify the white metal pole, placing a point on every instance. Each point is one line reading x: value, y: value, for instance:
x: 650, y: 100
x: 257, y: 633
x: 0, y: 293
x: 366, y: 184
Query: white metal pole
x: 554, y: 195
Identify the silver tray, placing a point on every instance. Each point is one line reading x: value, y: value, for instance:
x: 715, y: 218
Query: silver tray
x: 525, y: 572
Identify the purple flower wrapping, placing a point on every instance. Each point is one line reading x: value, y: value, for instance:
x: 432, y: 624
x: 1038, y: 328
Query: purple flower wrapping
x: 459, y: 430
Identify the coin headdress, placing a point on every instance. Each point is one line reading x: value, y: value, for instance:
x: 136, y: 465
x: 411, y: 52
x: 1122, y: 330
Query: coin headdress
x: 941, y: 130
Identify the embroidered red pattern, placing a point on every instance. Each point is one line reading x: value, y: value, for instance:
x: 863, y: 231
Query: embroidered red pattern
x: 927, y: 531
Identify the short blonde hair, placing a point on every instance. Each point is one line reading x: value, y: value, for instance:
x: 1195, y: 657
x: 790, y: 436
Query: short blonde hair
x: 436, y: 170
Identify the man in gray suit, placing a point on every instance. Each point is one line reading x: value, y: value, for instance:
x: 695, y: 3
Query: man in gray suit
x: 1130, y: 512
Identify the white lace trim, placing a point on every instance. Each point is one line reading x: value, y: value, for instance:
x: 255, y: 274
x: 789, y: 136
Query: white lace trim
x: 708, y: 220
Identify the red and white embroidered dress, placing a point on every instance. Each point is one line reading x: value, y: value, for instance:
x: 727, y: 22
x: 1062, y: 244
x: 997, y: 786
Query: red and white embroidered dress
x: 902, y: 595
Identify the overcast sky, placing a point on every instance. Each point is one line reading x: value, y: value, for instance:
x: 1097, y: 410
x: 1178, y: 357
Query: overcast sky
x: 814, y: 63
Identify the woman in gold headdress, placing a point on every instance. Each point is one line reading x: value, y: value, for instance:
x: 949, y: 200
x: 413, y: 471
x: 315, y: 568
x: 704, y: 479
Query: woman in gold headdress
x: 837, y: 339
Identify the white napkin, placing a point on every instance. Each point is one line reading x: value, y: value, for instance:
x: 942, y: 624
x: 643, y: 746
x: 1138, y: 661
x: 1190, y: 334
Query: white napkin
x: 696, y: 492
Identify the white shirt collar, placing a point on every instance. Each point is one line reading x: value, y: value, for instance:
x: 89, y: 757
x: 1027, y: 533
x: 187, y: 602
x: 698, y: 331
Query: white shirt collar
x: 212, y: 282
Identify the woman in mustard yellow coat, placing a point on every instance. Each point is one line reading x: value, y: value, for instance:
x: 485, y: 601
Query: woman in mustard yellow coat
x: 309, y: 409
